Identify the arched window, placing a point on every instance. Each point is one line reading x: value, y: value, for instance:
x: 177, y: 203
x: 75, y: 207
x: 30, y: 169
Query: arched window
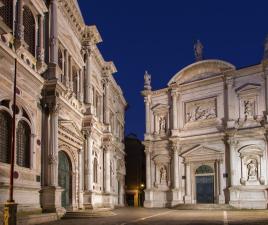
x: 29, y: 29
x: 23, y: 144
x: 5, y: 136
x: 60, y: 61
x: 6, y: 12
x: 204, y: 169
x: 95, y: 170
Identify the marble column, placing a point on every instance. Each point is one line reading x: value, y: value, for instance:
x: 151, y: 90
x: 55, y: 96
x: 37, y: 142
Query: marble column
x: 176, y: 168
x: 51, y: 194
x: 147, y: 114
x: 232, y: 165
x: 81, y: 85
x: 221, y: 182
x: 106, y: 103
x: 71, y: 73
x: 53, y: 148
x: 148, y: 169
x: 87, y: 77
x: 187, y: 197
x: 54, y: 31
x: 80, y: 179
x: 174, y: 110
x: 107, y: 161
x: 88, y: 163
x: 122, y: 192
x: 66, y: 68
x: 78, y: 85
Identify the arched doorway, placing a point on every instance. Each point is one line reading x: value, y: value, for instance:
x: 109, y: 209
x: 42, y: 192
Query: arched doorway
x: 65, y: 179
x: 204, y: 177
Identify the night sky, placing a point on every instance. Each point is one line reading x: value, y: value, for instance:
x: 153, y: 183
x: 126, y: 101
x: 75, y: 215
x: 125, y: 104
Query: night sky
x: 158, y: 36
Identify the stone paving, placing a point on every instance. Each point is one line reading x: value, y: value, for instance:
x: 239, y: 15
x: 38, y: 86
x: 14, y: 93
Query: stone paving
x: 142, y: 216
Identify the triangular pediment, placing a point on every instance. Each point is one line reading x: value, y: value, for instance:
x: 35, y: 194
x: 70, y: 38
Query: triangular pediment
x: 160, y: 107
x: 248, y: 87
x: 201, y: 151
x: 71, y: 128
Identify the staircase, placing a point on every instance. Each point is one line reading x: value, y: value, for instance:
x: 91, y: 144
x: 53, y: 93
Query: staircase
x: 203, y: 207
x: 92, y: 213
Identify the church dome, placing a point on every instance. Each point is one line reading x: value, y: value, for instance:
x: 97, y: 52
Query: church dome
x: 200, y: 70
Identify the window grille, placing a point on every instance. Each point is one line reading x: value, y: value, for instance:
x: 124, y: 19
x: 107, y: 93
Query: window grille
x: 6, y: 12
x: 23, y: 141
x: 29, y: 29
x: 5, y: 136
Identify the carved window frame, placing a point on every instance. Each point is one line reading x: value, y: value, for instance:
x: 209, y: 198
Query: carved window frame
x: 21, y: 115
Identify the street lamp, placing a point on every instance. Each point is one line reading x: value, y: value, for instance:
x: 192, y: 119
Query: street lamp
x: 10, y: 210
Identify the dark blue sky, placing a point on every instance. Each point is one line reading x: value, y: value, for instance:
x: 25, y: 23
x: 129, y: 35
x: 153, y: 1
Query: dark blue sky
x: 158, y: 36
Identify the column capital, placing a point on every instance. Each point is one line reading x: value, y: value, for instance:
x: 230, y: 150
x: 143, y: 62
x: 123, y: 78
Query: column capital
x: 87, y: 132
x: 147, y: 99
x: 229, y: 81
x: 174, y: 93
x: 232, y: 142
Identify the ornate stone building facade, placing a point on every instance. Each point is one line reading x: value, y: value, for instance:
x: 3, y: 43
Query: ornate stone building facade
x: 206, y: 135
x: 70, y: 110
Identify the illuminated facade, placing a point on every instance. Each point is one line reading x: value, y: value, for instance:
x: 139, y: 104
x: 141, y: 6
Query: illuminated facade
x: 70, y: 110
x: 206, y: 135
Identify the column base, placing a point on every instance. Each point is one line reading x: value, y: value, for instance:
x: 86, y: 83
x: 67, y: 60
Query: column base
x: 248, y: 197
x: 176, y: 197
x: 51, y: 200
x: 81, y: 199
x: 187, y: 199
x: 10, y: 213
x: 87, y: 200
x: 155, y: 199
x: 221, y: 199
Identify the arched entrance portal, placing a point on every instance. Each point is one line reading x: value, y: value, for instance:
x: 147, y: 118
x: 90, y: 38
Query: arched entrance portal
x: 204, y: 177
x: 65, y: 179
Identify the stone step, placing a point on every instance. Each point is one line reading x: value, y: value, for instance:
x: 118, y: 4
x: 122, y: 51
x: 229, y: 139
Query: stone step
x: 203, y: 207
x: 88, y: 214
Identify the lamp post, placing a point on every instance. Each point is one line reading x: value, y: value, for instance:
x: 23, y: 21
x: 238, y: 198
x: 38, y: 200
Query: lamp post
x: 10, y: 210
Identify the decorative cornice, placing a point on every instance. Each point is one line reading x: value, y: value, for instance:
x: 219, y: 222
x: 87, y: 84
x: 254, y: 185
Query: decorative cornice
x: 72, y: 12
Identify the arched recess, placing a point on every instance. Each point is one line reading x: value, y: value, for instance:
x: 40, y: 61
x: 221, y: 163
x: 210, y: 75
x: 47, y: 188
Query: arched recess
x: 204, y: 179
x: 29, y: 29
x: 61, y: 64
x: 24, y: 132
x: 5, y: 136
x: 6, y: 12
x: 65, y: 179
x: 23, y: 144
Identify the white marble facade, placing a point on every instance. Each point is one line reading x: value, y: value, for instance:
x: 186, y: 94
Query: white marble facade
x: 70, y: 99
x: 208, y: 125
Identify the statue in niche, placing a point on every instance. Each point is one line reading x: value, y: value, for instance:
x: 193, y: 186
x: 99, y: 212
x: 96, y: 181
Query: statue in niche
x: 252, y: 170
x: 163, y: 175
x: 162, y: 125
x: 249, y: 108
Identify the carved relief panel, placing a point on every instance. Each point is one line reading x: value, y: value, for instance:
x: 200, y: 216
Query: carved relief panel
x: 248, y: 95
x: 200, y: 110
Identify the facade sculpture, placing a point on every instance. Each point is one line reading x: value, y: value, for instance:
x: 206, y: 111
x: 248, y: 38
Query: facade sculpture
x: 215, y: 138
x: 70, y: 121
